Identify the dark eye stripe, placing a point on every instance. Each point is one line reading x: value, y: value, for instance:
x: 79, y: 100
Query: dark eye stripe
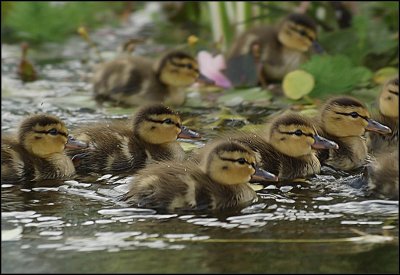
x: 351, y: 114
x: 163, y: 121
x: 393, y: 92
x: 188, y: 65
x: 241, y: 160
x: 302, y: 33
x: 296, y: 133
x: 48, y: 132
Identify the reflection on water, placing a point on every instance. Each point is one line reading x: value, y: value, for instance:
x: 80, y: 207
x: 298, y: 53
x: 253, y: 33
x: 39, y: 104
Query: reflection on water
x: 79, y: 226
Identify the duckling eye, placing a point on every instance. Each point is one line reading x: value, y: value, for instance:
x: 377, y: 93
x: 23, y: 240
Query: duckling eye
x: 168, y: 121
x: 298, y: 132
x: 354, y: 114
x: 189, y: 66
x: 241, y: 161
x: 303, y: 32
x: 53, y: 132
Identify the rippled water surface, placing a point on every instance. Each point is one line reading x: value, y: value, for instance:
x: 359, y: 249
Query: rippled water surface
x: 324, y: 225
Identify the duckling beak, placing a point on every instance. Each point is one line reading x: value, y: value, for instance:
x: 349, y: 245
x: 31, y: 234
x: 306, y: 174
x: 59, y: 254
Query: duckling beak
x: 375, y: 126
x: 262, y: 175
x: 188, y: 134
x: 73, y: 143
x: 204, y: 79
x: 323, y: 143
x: 317, y: 47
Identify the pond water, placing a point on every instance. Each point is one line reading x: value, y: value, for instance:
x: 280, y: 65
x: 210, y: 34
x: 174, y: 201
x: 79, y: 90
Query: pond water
x: 323, y: 225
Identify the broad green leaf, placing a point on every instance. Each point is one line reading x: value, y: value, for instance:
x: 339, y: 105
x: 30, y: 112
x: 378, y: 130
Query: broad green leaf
x: 335, y: 74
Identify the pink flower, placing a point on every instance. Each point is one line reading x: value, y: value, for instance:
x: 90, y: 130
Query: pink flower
x: 211, y: 67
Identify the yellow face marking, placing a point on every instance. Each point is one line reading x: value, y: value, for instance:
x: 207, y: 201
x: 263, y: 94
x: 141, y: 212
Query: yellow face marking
x: 389, y: 100
x: 46, y: 140
x: 160, y: 129
x: 338, y: 121
x: 293, y: 140
x: 232, y: 167
x: 296, y: 36
x: 179, y: 72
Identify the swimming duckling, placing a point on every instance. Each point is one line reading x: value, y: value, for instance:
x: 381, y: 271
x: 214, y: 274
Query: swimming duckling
x: 288, y: 150
x: 383, y: 175
x: 120, y: 147
x: 388, y: 101
x: 220, y: 182
x: 37, y: 152
x: 344, y: 120
x: 275, y: 50
x: 136, y: 80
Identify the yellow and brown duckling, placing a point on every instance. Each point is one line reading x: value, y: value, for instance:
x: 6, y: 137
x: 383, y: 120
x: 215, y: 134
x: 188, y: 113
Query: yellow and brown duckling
x: 136, y: 80
x: 277, y: 50
x: 37, y: 152
x: 388, y: 102
x: 344, y: 120
x: 288, y: 151
x: 382, y: 175
x: 220, y: 182
x: 125, y: 147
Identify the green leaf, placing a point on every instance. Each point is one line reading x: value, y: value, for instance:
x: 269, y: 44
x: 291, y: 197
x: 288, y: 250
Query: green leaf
x: 238, y: 96
x: 335, y: 74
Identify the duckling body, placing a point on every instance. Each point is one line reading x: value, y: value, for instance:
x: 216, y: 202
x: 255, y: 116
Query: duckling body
x: 383, y: 175
x: 218, y: 183
x: 288, y: 151
x: 37, y: 153
x: 277, y: 49
x: 119, y: 147
x: 388, y: 101
x: 136, y: 80
x: 344, y: 120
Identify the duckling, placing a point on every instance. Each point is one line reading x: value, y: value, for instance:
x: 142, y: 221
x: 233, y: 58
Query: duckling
x: 120, y: 147
x: 26, y: 70
x: 344, y: 120
x: 388, y: 101
x: 220, y: 182
x: 37, y: 152
x: 382, y: 175
x: 288, y: 150
x: 275, y: 50
x: 136, y: 80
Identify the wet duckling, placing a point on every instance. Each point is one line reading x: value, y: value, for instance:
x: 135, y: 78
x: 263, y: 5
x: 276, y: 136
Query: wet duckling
x: 288, y: 151
x: 388, y: 101
x: 218, y: 183
x: 37, y: 152
x: 382, y: 175
x: 136, y: 80
x: 275, y: 50
x: 344, y: 120
x: 120, y: 147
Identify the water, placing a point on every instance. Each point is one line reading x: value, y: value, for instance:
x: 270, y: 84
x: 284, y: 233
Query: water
x: 324, y: 225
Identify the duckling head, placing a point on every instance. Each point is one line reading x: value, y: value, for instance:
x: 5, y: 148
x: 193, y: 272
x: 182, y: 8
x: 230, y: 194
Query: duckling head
x: 295, y: 136
x: 345, y: 116
x: 299, y: 32
x: 178, y: 69
x: 230, y: 163
x: 43, y: 135
x: 389, y: 98
x: 158, y: 124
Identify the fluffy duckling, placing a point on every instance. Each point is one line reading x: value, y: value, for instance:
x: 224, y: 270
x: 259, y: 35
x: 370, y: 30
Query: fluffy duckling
x: 120, y: 147
x: 344, y: 120
x: 288, y: 150
x: 136, y: 80
x: 276, y: 50
x: 218, y: 183
x: 37, y: 152
x: 388, y: 101
x: 382, y: 175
